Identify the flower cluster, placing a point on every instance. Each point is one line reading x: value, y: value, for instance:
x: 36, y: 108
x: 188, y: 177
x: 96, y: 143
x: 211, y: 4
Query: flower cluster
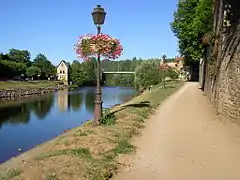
x: 104, y: 45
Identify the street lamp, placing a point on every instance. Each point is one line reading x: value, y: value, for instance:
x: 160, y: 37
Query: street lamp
x: 98, y: 15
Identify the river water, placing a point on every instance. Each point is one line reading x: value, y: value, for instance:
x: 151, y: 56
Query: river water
x: 27, y: 123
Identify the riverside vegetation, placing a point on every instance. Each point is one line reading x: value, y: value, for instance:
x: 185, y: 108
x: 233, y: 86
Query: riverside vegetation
x: 89, y: 152
x: 18, y: 63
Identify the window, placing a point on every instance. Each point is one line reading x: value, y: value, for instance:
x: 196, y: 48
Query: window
x: 60, y: 72
x: 63, y: 72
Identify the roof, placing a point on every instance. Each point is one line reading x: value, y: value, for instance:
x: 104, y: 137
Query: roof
x: 66, y: 63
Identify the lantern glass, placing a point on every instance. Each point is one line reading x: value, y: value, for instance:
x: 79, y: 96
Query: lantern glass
x: 98, y: 15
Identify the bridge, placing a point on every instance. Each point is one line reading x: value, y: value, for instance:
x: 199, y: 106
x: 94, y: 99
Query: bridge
x: 119, y: 72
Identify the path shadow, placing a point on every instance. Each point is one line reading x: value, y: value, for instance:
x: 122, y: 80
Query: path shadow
x: 141, y: 104
x: 170, y: 86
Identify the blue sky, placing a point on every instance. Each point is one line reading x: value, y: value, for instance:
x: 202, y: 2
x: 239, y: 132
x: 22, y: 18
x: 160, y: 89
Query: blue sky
x: 52, y: 27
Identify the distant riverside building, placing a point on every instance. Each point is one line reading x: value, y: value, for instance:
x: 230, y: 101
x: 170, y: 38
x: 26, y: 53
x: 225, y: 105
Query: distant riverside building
x: 63, y: 72
x: 176, y: 63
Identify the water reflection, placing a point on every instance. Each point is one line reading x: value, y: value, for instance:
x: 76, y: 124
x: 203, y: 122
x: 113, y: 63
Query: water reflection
x: 31, y: 121
x: 62, y: 100
x: 19, y: 112
x: 89, y: 100
x: 76, y: 101
x: 16, y: 114
x: 42, y: 107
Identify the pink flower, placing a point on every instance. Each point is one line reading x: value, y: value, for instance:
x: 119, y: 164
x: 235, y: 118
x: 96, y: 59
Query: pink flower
x: 92, y: 45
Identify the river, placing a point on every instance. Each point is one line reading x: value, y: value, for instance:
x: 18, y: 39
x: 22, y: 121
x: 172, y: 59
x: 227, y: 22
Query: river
x: 27, y: 123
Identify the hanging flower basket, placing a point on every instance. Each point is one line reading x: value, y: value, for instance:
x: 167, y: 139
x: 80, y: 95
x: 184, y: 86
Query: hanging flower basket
x: 89, y: 46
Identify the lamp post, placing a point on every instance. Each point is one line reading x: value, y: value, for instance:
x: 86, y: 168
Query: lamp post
x: 98, y: 15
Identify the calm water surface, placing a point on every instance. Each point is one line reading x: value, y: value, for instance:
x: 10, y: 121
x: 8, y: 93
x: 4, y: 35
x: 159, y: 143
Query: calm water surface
x: 27, y: 123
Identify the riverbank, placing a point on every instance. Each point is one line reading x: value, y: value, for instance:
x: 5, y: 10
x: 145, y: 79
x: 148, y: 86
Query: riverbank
x: 15, y: 89
x: 88, y: 152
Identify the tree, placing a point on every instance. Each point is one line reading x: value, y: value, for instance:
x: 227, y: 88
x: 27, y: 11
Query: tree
x: 147, y: 75
x: 192, y: 19
x: 11, y: 68
x: 22, y: 56
x: 33, y: 71
x: 120, y: 80
x: 167, y: 71
x: 46, y: 67
x: 89, y: 69
x: 77, y: 74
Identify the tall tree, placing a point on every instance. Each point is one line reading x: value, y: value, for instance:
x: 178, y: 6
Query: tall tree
x: 41, y: 61
x: 22, y: 56
x: 192, y: 20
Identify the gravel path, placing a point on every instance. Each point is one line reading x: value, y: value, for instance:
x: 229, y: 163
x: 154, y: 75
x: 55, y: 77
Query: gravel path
x: 185, y: 140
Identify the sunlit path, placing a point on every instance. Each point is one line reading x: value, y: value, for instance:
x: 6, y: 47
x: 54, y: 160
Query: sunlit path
x: 185, y: 140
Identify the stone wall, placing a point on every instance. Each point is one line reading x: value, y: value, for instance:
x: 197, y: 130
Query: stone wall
x: 6, y: 94
x: 222, y: 76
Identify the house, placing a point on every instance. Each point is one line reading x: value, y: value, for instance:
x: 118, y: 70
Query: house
x: 176, y: 63
x: 63, y: 72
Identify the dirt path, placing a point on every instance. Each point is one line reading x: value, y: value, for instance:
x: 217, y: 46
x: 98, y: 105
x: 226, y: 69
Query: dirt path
x: 185, y: 140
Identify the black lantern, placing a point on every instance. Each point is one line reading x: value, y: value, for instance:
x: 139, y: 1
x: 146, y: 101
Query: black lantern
x: 98, y: 15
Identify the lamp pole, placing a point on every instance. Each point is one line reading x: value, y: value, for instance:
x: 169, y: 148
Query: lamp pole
x: 98, y: 15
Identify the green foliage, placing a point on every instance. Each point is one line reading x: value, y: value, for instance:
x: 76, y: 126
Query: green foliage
x: 83, y: 74
x: 33, y: 71
x: 17, y: 62
x: 119, y: 80
x: 72, y: 86
x: 170, y: 72
x: 11, y: 68
x: 46, y: 67
x: 147, y: 74
x: 22, y: 56
x: 108, y: 117
x: 192, y: 20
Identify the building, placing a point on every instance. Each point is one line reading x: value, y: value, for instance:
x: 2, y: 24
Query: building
x: 176, y: 63
x: 63, y: 72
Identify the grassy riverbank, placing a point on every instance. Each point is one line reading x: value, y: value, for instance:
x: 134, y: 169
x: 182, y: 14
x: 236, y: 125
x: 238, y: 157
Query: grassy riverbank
x: 89, y: 152
x: 26, y: 84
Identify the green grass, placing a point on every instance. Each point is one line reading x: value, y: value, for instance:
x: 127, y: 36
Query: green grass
x: 8, y: 175
x: 80, y: 132
x: 123, y: 147
x: 81, y: 152
x: 26, y: 84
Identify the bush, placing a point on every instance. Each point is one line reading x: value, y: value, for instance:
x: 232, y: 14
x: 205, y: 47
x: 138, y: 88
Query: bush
x: 172, y: 74
x: 108, y: 117
x: 147, y: 74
